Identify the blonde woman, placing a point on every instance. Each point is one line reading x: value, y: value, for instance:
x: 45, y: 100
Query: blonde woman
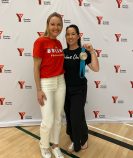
x: 50, y: 84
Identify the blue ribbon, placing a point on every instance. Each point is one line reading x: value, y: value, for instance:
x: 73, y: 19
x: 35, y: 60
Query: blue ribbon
x: 82, y: 65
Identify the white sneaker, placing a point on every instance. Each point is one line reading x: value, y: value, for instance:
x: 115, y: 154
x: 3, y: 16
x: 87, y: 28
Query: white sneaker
x: 70, y: 147
x: 45, y: 153
x: 57, y: 153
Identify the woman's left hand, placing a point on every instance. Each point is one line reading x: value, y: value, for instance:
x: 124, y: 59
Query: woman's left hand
x: 89, y: 47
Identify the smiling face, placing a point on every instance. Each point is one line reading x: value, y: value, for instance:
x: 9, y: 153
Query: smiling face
x: 72, y: 37
x: 54, y: 27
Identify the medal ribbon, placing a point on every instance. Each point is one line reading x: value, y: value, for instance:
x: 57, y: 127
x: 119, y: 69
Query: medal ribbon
x: 82, y: 65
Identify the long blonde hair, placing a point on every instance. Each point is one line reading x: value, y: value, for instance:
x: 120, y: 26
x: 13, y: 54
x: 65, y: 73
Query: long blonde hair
x: 48, y: 20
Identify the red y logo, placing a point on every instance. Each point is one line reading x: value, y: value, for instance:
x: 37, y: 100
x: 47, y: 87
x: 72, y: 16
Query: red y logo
x: 40, y: 2
x: 117, y: 37
x: 119, y: 3
x: 97, y: 83
x: 1, y: 67
x: 80, y: 34
x: 130, y: 113
x: 22, y: 115
x: 99, y: 18
x: 80, y: 2
x: 117, y: 67
x: 2, y: 101
x: 21, y: 83
x: 40, y: 33
x: 114, y: 98
x: 96, y: 113
x: 19, y: 16
x: 20, y: 51
x: 98, y: 52
x: 131, y: 83
x: 1, y: 33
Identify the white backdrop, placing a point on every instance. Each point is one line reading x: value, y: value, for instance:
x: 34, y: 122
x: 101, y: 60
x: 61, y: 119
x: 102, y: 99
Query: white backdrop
x: 107, y: 24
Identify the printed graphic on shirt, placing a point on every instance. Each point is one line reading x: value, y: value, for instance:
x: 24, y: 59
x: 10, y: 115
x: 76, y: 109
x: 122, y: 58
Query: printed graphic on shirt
x: 74, y: 57
x: 55, y: 52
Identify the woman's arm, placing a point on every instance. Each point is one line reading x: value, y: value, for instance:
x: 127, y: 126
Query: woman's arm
x: 94, y: 65
x: 40, y: 94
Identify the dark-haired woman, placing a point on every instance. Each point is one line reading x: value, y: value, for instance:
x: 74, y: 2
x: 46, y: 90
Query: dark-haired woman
x: 76, y: 57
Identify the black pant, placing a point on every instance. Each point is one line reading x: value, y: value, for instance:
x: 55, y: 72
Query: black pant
x: 75, y: 116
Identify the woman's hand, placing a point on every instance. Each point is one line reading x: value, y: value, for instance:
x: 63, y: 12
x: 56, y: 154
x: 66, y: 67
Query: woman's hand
x: 41, y: 97
x: 89, y: 47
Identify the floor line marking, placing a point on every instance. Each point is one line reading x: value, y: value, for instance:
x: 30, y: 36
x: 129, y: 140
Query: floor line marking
x: 128, y: 124
x: 110, y: 133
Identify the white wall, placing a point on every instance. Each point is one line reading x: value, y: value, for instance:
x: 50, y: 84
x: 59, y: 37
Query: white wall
x: 106, y: 24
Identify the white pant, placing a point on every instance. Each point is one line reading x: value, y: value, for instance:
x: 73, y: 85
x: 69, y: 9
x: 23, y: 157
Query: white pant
x: 54, y: 89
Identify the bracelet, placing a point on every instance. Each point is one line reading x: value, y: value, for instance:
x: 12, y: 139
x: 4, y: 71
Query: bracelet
x: 92, y: 52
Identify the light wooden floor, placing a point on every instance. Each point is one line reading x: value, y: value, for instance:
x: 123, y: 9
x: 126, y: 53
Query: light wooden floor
x: 105, y: 141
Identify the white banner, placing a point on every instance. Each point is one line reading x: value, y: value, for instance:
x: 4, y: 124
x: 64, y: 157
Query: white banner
x: 106, y: 24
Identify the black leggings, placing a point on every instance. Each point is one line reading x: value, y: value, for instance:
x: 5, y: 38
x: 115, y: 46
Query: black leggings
x: 75, y: 116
